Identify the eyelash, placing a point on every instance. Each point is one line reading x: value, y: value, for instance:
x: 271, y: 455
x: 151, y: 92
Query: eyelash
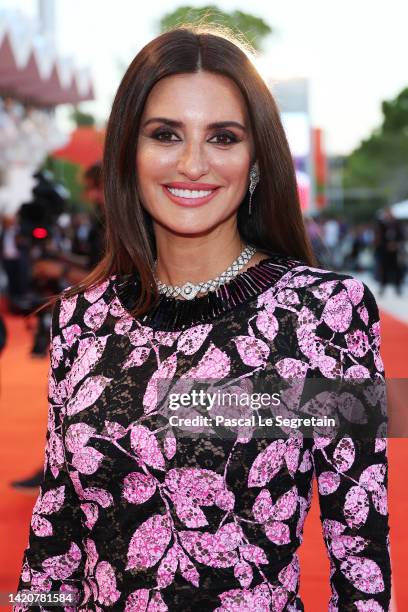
x: 163, y: 132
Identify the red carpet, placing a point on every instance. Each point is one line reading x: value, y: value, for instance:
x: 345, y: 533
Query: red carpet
x: 22, y: 437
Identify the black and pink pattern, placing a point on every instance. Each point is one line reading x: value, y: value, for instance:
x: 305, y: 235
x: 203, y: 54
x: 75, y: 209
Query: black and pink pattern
x: 139, y: 522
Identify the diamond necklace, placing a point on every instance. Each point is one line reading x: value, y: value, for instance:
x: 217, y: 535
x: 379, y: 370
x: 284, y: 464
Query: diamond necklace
x: 190, y: 290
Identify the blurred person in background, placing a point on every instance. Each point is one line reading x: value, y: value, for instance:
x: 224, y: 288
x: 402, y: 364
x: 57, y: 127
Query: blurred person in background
x: 87, y: 247
x: 93, y: 191
x: 389, y: 251
x: 15, y: 261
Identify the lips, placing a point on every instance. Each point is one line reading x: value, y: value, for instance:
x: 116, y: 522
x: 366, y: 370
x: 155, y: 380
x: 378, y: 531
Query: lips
x: 190, y: 194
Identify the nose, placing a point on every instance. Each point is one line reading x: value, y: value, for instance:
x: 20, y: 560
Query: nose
x: 193, y: 162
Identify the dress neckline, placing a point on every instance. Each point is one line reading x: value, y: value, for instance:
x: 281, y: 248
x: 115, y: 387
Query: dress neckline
x: 173, y: 314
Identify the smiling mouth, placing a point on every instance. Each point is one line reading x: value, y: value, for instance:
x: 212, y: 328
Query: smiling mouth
x: 190, y: 197
x: 190, y: 193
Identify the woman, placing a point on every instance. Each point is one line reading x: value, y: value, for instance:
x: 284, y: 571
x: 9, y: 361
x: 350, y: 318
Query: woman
x: 133, y: 514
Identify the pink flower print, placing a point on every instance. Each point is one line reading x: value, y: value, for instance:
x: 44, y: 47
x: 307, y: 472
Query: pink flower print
x: 56, y: 351
x: 90, y: 351
x: 301, y: 280
x: 309, y: 343
x: 277, y: 532
x: 116, y: 309
x: 344, y: 454
x: 159, y: 382
x: 363, y: 573
x: 287, y: 297
x: 166, y: 338
x: 355, y: 372
x: 77, y: 436
x: 324, y: 290
x: 342, y: 545
x: 62, y: 567
x: 87, y: 394
x: 146, y: 447
x: 355, y: 290
x: 306, y: 463
x: 149, y: 542
x: 137, y: 357
x: 167, y: 568
x: 267, y: 300
x: 332, y: 529
x: 41, y: 526
x: 252, y: 351
x: 191, y: 340
x: 108, y: 594
x: 285, y: 505
x: 210, y: 549
x: 96, y: 314
x: 93, y: 294
x: 225, y: 500
x: 87, y: 460
x: 356, y: 507
x: 115, y: 430
x: 363, y: 312
x: 187, y: 569
x: 138, y: 487
x: 370, y: 605
x: 338, y: 312
x: 156, y: 604
x: 142, y: 335
x: 91, y: 514
x: 100, y: 496
x: 190, y: 488
x: 123, y: 325
x: 289, y: 575
x: 137, y: 601
x: 67, y: 309
x: 169, y: 445
x: 380, y: 500
x: 267, y: 464
x: 372, y: 477
x: 357, y: 343
x: 55, y: 454
x: 71, y: 333
x: 262, y: 508
x: 328, y: 482
x: 243, y: 573
x: 215, y: 363
x: 254, y: 554
x: 246, y: 600
x: 268, y: 324
x: 291, y: 368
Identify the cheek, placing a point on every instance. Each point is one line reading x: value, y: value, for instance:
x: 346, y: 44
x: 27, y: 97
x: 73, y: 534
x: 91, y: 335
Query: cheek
x: 152, y: 165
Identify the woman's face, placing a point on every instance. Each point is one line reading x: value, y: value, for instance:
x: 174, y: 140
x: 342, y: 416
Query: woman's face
x: 194, y: 152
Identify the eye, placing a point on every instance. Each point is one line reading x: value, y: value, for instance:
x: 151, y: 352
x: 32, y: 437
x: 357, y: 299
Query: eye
x: 165, y: 135
x: 225, y: 138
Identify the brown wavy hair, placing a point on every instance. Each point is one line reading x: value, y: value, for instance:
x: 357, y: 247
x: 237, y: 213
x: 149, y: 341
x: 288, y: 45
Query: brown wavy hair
x: 276, y: 223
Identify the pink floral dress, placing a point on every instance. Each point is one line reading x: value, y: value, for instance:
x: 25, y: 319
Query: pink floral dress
x: 136, y: 522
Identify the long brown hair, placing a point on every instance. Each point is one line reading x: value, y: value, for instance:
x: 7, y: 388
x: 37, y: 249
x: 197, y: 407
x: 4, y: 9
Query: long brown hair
x: 276, y: 223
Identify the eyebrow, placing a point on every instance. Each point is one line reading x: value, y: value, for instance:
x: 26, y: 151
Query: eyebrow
x: 180, y: 124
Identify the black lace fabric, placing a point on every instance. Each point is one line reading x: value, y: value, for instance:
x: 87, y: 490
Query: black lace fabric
x: 132, y: 516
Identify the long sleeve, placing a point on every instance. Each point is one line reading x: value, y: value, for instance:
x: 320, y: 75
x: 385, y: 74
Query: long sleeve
x: 352, y: 473
x: 53, y: 559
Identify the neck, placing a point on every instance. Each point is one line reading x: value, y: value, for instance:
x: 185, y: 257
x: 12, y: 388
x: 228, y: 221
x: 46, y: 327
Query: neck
x: 199, y: 258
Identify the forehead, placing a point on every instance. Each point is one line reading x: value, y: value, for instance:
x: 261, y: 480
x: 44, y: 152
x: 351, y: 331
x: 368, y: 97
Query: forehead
x: 196, y: 96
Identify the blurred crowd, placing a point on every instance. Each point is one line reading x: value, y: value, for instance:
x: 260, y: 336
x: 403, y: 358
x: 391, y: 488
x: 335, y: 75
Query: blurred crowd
x: 45, y: 249
x: 380, y: 246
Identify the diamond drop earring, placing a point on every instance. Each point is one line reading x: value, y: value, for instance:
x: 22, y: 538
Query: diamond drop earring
x: 254, y: 176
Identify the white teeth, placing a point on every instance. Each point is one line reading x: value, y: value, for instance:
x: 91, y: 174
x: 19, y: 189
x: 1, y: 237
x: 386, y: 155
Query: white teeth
x: 187, y: 193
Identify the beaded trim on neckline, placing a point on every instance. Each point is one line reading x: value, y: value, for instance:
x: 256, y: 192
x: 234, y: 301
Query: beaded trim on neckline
x: 173, y: 314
